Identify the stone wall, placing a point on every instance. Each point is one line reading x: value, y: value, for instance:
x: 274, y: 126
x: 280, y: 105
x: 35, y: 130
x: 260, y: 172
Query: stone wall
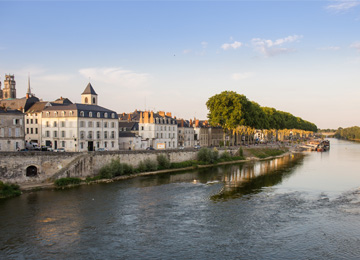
x: 41, y: 167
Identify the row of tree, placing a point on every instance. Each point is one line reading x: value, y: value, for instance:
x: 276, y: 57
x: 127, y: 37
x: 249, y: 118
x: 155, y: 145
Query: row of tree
x: 230, y: 110
x: 350, y: 133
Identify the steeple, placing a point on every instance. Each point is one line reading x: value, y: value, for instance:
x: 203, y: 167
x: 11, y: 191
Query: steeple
x: 89, y: 95
x: 28, y: 93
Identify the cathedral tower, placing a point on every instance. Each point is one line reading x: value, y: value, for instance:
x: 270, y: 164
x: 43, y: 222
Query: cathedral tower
x: 9, y: 90
x: 89, y: 96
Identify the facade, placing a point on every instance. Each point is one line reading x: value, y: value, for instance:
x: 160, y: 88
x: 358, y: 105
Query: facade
x: 79, y: 127
x: 129, y: 138
x: 9, y: 90
x: 12, y: 136
x: 206, y: 135
x: 158, y: 129
x: 186, y: 133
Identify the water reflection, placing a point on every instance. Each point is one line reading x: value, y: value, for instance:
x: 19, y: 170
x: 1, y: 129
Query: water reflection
x: 250, y: 178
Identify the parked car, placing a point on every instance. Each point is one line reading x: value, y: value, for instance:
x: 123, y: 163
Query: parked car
x: 197, y: 146
x: 150, y: 148
x: 59, y: 150
x: 181, y: 147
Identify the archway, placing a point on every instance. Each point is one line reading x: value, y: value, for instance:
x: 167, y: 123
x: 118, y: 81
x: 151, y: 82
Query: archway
x: 31, y: 171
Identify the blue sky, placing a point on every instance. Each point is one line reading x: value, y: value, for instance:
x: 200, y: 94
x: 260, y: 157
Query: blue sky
x: 301, y: 57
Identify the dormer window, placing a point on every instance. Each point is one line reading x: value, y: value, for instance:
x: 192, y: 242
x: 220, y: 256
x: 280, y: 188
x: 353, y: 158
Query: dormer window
x: 113, y: 115
x: 90, y: 114
x: 63, y: 113
x: 82, y: 113
x: 106, y: 115
x: 98, y: 114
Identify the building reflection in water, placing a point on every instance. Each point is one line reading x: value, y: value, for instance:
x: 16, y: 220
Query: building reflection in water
x: 251, y: 178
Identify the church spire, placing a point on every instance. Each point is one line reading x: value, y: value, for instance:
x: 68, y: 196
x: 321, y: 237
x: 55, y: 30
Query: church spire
x: 28, y: 93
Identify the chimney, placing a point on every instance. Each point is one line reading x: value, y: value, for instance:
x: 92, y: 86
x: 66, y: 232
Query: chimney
x: 152, y: 117
x: 129, y: 117
x: 141, y: 118
x: 168, y: 114
x: 191, y: 123
x: 162, y: 113
x: 197, y: 123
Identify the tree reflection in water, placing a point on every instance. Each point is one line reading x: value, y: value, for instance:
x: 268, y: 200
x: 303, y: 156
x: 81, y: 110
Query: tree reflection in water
x: 251, y: 178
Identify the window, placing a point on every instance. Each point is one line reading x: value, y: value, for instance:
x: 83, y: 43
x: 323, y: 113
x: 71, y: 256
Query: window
x: 105, y: 135
x: 63, y: 144
x: 161, y: 135
x: 81, y: 145
x: 98, y: 114
x: 98, y: 124
x: 36, y: 121
x: 157, y: 135
x: 36, y: 131
x: 98, y: 136
x: 82, y: 134
x: 90, y: 124
x: 55, y: 134
x: 82, y: 123
x: 62, y: 123
x: 105, y: 144
x: 86, y: 100
x: 47, y: 133
x: 17, y: 132
x: 47, y: 114
x: 94, y: 100
x: 142, y: 128
x: 55, y: 124
x: 63, y: 113
x: 112, y: 134
x: 71, y: 113
x: 31, y: 130
x: 113, y: 115
x: 27, y: 121
x: 113, y: 144
x: 105, y: 124
x: 90, y: 135
x: 55, y: 113
x: 47, y: 124
x: 9, y: 132
x: 90, y: 114
x: 27, y: 130
x: 106, y: 115
x: 97, y: 145
x: 82, y: 113
x: 112, y: 124
x: 62, y: 133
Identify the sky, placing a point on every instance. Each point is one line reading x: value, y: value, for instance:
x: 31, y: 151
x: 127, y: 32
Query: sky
x: 302, y: 57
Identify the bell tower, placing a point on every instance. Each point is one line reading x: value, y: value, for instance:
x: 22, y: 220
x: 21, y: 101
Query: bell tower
x: 9, y: 90
x: 89, y: 96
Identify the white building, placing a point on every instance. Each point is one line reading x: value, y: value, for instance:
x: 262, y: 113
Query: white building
x: 80, y: 127
x: 158, y: 129
x: 186, y: 133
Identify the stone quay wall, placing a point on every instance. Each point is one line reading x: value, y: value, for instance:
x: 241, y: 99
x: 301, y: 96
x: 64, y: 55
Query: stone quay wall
x: 44, y: 167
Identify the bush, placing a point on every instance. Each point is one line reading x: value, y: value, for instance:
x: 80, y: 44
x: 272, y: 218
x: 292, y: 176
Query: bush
x: 62, y: 182
x: 141, y: 167
x: 150, y: 165
x: 207, y: 156
x: 115, y: 168
x: 177, y: 165
x: 128, y: 169
x: 225, y: 156
x: 9, y: 190
x: 163, y: 161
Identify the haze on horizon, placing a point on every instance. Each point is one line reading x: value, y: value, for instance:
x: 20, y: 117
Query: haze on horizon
x: 302, y: 57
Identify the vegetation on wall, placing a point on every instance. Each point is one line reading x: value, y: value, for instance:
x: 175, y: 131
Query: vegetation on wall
x: 9, y: 190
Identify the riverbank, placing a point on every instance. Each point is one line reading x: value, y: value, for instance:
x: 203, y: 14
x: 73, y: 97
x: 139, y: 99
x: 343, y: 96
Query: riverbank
x: 248, y: 154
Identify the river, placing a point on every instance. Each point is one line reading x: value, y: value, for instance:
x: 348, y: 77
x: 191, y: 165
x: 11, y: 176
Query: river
x: 295, y: 207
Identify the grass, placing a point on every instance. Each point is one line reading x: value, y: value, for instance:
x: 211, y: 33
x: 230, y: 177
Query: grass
x: 266, y: 152
x: 9, y: 190
x: 63, y: 182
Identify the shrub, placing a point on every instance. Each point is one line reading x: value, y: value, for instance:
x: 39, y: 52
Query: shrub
x: 163, y: 161
x: 225, y: 156
x: 208, y: 156
x: 176, y: 165
x: 150, y: 165
x: 9, y: 190
x: 128, y: 169
x: 141, y: 167
x: 62, y: 182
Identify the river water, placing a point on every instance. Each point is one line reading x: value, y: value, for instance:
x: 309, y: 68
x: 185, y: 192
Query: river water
x: 295, y: 207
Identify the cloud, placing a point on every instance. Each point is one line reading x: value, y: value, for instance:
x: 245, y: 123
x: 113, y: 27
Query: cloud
x: 116, y: 76
x: 235, y: 45
x: 272, y: 48
x: 204, y: 44
x: 329, y: 48
x: 343, y: 5
x: 187, y: 51
x: 355, y: 45
x: 241, y: 76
